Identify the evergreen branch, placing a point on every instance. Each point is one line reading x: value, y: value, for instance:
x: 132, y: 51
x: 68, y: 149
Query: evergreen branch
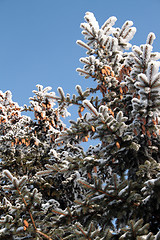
x: 44, y: 235
x: 60, y: 237
x: 96, y: 190
x: 83, y: 44
x: 64, y: 100
x: 82, y: 231
x: 60, y: 213
x: 33, y: 222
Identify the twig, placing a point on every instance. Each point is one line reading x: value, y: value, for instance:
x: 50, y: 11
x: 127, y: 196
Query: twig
x: 33, y: 222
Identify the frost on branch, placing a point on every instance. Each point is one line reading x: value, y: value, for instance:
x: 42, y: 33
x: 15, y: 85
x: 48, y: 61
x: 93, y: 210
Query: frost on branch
x: 105, y: 45
x: 53, y: 188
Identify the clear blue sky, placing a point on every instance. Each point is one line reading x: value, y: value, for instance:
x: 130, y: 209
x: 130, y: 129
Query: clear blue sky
x: 38, y: 39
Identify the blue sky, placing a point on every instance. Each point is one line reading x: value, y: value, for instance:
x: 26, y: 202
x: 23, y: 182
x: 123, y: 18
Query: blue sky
x: 38, y: 39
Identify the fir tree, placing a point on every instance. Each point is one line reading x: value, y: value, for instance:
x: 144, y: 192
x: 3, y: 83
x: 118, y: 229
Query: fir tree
x: 51, y: 188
